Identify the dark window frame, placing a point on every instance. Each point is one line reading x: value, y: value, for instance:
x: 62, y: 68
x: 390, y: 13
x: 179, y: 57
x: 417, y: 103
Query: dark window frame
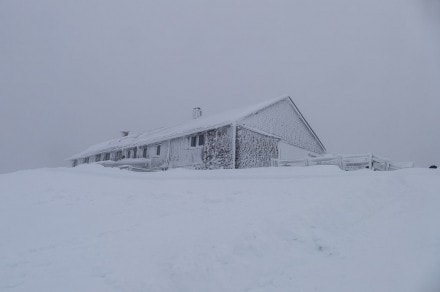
x: 201, y: 139
x: 197, y: 141
x: 193, y: 141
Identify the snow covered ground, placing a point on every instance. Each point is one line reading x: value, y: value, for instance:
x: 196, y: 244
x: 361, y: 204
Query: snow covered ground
x: 273, y: 229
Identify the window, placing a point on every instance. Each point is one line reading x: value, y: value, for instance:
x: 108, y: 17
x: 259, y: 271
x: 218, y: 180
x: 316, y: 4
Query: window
x: 198, y: 140
x: 75, y: 163
x: 86, y: 160
x: 144, y: 153
x: 158, y: 150
x: 118, y: 155
x: 193, y: 141
x: 128, y: 153
x: 98, y: 157
x: 107, y: 156
x: 201, y: 140
x: 135, y: 152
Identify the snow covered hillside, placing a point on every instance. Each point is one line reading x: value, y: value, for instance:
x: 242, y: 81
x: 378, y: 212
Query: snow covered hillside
x: 273, y: 229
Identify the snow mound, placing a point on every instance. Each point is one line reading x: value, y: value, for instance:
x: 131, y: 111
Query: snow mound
x: 272, y: 229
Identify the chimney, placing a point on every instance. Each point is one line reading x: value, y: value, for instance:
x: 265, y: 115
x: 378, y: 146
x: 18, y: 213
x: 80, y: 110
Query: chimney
x: 197, y: 112
x: 125, y: 133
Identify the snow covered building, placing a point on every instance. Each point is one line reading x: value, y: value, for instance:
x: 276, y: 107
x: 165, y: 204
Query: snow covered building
x: 243, y: 138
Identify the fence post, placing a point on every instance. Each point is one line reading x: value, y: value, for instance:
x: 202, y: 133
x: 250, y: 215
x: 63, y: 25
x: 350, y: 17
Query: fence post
x: 340, y: 162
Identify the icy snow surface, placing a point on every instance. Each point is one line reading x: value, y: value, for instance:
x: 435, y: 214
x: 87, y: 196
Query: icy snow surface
x: 269, y: 229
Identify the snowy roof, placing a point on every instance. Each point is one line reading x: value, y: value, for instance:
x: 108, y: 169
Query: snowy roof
x: 194, y: 126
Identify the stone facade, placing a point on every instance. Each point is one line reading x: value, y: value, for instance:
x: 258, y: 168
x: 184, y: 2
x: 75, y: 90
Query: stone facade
x: 254, y: 149
x: 218, y: 150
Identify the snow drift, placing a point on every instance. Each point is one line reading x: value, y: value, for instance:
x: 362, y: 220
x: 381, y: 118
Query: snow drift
x: 273, y: 229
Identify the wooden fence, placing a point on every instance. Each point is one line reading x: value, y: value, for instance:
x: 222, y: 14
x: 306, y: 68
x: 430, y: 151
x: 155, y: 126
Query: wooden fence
x: 347, y: 162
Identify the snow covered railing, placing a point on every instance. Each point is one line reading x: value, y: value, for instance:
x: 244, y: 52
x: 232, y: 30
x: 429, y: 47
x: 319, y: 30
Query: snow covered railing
x: 137, y: 164
x: 141, y: 169
x: 346, y: 162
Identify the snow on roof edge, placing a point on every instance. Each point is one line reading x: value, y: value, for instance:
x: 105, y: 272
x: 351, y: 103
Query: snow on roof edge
x: 188, y: 128
x: 308, y: 125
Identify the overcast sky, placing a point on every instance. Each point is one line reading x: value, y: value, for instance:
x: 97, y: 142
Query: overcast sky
x: 365, y: 73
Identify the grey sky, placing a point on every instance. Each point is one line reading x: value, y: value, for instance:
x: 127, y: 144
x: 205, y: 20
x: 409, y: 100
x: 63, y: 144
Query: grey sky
x: 73, y: 73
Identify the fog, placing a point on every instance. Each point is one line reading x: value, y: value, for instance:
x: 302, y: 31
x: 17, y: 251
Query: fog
x: 73, y: 73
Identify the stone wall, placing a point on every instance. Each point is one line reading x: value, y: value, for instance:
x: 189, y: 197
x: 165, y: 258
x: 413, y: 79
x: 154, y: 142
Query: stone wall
x: 217, y: 152
x: 254, y: 149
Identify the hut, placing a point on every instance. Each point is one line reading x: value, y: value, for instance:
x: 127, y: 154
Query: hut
x: 241, y: 138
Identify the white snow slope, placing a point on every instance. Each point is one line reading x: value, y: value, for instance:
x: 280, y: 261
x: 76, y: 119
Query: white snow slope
x: 272, y: 229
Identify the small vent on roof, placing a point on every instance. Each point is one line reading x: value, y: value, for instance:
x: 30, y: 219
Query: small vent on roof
x: 197, y: 112
x: 125, y: 133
